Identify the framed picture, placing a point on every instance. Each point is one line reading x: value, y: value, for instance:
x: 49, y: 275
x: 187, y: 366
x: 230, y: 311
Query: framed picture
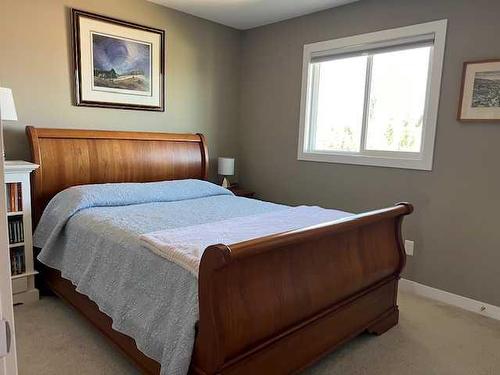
x: 118, y: 64
x: 480, y: 96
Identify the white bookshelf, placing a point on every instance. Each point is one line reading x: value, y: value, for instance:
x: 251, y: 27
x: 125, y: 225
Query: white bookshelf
x: 23, y: 279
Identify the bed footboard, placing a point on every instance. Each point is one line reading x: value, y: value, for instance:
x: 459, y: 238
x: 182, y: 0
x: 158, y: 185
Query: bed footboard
x: 276, y: 304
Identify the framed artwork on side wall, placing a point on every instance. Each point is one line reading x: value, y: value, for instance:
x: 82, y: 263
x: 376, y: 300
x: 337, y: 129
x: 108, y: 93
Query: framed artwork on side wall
x: 117, y: 64
x: 480, y: 96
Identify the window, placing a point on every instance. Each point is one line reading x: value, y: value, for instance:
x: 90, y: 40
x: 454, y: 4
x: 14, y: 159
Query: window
x: 372, y: 99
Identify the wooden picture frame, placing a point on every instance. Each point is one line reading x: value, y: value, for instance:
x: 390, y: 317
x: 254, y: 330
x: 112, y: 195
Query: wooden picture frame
x: 480, y: 92
x: 117, y: 64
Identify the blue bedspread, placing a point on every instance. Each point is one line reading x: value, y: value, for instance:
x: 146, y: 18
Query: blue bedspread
x: 91, y: 234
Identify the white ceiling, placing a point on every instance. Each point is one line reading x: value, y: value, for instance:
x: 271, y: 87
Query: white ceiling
x: 245, y: 14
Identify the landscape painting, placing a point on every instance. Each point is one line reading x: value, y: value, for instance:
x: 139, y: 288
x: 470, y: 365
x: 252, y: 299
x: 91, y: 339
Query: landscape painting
x: 480, y: 95
x: 121, y: 64
x: 486, y: 92
x: 117, y: 64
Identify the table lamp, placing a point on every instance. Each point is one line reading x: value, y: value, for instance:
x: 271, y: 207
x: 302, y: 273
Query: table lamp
x: 226, y: 168
x: 7, y: 107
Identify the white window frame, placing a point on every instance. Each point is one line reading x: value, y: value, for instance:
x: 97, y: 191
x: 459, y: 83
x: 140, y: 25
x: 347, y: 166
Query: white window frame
x: 435, y: 30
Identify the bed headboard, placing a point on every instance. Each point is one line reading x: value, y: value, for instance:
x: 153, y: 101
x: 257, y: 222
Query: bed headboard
x: 69, y: 157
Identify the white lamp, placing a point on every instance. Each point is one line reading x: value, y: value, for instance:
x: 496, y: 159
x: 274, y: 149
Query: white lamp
x: 226, y: 168
x: 7, y: 106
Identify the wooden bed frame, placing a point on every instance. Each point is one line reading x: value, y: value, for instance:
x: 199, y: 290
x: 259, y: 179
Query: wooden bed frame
x: 272, y: 305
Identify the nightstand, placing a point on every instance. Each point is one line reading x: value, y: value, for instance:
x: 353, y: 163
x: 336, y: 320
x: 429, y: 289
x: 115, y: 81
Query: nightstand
x: 240, y: 192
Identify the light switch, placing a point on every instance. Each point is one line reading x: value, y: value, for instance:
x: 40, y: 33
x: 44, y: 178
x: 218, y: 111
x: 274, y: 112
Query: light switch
x: 409, y: 245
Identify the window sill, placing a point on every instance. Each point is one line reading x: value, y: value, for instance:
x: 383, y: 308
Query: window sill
x: 370, y: 160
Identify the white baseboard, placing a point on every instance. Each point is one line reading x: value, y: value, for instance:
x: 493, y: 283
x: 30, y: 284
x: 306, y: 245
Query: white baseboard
x: 465, y: 303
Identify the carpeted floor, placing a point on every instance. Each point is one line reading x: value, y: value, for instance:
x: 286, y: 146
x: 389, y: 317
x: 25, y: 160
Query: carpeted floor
x: 431, y: 339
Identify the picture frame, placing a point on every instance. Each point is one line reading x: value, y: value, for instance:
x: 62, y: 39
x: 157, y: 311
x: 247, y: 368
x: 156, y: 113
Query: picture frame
x: 480, y: 92
x: 117, y: 64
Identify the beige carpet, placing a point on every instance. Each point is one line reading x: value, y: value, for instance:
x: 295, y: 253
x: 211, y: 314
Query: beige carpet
x: 431, y: 339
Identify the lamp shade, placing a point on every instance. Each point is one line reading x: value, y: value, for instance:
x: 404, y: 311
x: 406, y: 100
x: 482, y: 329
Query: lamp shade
x: 226, y: 166
x: 7, y: 107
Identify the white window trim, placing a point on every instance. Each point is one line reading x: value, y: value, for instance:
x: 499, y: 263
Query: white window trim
x: 407, y: 160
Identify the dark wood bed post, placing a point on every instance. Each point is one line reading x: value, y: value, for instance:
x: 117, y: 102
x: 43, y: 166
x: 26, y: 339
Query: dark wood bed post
x: 260, y: 301
x: 204, y: 156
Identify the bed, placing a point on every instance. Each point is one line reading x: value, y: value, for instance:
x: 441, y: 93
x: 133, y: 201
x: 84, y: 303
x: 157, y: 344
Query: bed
x: 345, y: 272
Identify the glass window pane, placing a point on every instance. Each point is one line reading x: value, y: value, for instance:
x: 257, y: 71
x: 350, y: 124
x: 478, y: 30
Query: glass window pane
x: 397, y: 100
x: 340, y: 102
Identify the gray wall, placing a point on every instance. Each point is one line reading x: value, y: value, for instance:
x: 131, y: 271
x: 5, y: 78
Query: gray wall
x: 202, y: 60
x: 455, y: 225
x: 253, y: 114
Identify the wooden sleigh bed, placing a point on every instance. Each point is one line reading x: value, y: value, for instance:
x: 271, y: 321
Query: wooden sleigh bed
x: 324, y: 285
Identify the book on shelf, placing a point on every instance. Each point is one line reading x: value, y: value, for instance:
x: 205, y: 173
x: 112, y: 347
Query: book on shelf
x: 17, y: 261
x: 16, y: 230
x: 14, y: 197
